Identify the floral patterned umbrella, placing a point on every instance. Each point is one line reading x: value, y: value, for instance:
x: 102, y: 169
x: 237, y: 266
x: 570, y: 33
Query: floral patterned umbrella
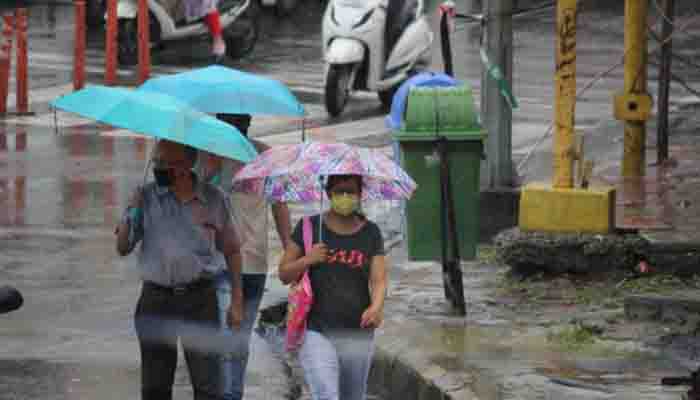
x: 294, y: 173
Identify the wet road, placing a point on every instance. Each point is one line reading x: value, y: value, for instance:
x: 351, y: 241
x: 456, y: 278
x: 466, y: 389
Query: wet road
x: 60, y: 194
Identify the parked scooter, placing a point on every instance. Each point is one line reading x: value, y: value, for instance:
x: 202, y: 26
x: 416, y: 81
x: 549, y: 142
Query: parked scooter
x: 373, y: 45
x: 239, y: 20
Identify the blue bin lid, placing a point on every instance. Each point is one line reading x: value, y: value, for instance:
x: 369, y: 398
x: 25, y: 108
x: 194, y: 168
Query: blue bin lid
x: 398, y: 104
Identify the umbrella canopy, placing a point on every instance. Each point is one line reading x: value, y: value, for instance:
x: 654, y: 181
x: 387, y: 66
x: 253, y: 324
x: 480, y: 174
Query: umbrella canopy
x: 398, y: 104
x: 218, y: 89
x: 291, y: 173
x: 160, y: 116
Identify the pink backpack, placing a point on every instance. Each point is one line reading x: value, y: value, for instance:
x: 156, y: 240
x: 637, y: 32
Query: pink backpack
x: 300, y: 298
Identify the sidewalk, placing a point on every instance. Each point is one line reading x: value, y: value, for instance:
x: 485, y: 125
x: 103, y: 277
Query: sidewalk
x: 664, y: 206
x: 567, y: 337
x: 516, y: 342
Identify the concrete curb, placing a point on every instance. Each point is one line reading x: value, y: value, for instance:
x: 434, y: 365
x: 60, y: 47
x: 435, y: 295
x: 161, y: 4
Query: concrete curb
x: 399, y: 374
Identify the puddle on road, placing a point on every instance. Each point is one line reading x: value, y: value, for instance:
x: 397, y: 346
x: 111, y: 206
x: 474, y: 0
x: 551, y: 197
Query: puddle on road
x: 77, y: 178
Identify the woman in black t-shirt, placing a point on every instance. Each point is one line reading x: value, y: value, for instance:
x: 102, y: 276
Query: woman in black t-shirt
x: 348, y: 279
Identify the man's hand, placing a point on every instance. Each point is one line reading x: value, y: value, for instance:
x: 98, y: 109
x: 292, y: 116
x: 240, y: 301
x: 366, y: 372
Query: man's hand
x: 372, y: 317
x: 235, y: 314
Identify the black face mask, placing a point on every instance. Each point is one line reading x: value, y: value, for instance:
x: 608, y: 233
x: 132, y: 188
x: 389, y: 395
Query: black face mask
x: 163, y: 177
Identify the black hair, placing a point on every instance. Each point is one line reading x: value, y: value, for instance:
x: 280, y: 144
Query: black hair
x: 240, y: 121
x: 336, y: 179
x: 191, y: 154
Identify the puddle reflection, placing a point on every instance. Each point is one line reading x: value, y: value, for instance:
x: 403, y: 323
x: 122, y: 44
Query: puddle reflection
x: 97, y: 167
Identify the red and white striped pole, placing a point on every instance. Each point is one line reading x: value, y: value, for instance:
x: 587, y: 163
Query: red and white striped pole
x: 144, y: 41
x: 22, y: 61
x: 80, y: 44
x: 111, y: 43
x: 8, y: 22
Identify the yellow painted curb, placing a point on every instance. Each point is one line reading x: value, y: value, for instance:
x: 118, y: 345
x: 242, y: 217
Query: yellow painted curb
x: 543, y: 208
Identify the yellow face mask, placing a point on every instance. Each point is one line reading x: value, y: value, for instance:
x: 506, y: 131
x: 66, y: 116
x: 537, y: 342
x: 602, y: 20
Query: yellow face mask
x: 345, y: 204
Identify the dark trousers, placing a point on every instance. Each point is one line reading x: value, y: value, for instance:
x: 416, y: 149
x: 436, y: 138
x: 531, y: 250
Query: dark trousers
x: 161, y: 318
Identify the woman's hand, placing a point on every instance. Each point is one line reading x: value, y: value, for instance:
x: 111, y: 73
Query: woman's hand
x: 372, y: 317
x: 234, y: 315
x: 319, y: 254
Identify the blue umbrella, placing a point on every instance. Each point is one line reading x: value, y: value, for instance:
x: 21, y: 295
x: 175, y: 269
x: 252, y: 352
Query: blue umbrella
x: 160, y: 116
x: 218, y: 89
x: 398, y: 104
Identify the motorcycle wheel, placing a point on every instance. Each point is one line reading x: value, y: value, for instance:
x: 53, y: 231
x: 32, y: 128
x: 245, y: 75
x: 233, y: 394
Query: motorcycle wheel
x: 337, y: 88
x: 241, y: 37
x: 284, y: 8
x: 128, y: 43
x: 387, y: 96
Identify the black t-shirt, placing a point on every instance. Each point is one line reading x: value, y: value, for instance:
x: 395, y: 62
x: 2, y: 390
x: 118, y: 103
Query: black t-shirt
x: 341, y: 285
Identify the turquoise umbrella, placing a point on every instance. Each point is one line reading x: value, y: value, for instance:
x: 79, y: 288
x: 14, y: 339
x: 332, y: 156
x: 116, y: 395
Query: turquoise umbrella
x: 160, y: 116
x: 222, y: 90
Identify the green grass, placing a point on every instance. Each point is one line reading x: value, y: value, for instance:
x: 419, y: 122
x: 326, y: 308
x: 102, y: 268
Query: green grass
x: 573, y: 338
x: 487, y: 254
x: 585, y: 340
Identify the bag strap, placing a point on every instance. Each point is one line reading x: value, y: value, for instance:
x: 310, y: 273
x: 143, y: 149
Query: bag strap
x: 308, y: 234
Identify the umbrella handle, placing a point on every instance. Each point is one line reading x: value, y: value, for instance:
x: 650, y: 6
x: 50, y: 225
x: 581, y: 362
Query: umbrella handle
x: 148, y: 163
x: 322, y: 180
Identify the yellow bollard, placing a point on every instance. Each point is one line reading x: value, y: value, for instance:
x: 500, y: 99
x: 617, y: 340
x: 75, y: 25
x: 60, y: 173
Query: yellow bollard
x: 565, y: 95
x: 560, y: 207
x: 634, y: 105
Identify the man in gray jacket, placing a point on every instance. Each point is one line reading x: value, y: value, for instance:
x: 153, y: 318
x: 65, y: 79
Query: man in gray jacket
x: 184, y: 226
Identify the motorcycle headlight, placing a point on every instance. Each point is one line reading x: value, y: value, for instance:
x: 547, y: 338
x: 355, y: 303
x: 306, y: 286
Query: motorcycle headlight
x: 364, y: 19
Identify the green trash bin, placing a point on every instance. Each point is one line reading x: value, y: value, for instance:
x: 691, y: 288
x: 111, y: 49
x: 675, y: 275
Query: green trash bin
x: 448, y: 112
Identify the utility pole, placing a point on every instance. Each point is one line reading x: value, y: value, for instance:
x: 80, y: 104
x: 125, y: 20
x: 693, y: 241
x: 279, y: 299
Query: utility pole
x: 665, y: 80
x: 565, y: 95
x: 634, y: 105
x: 496, y: 113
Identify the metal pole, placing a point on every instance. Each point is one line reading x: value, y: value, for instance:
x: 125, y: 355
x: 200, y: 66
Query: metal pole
x: 111, y: 44
x: 8, y: 29
x: 144, y: 41
x: 80, y: 43
x: 665, y: 81
x: 445, y: 38
x: 636, y: 15
x: 495, y: 111
x: 565, y: 95
x: 22, y: 88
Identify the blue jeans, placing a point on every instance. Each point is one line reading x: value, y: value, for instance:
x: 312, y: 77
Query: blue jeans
x: 336, y: 369
x: 233, y: 367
